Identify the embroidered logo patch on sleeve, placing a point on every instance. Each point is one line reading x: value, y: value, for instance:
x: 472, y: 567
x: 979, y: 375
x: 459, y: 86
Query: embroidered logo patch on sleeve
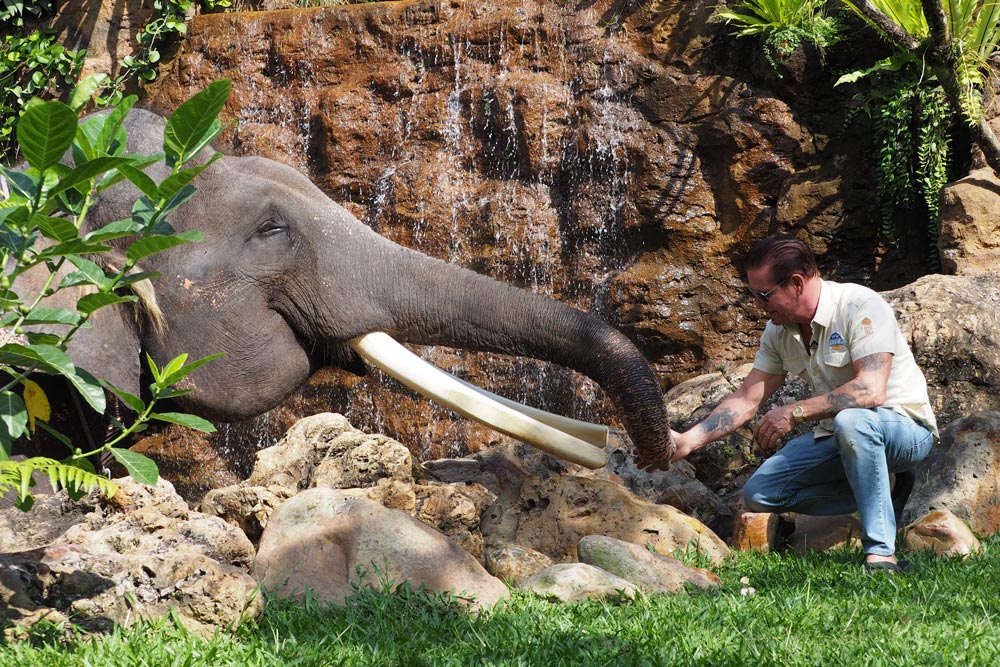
x: 866, y: 324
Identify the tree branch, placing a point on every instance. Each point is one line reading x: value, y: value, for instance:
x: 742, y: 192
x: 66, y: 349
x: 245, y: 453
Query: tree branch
x: 892, y: 30
x: 937, y: 22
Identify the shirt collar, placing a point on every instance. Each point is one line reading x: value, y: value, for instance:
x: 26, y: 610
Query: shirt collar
x: 824, y: 309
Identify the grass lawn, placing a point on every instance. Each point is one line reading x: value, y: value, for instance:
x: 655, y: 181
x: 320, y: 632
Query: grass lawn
x: 818, y: 609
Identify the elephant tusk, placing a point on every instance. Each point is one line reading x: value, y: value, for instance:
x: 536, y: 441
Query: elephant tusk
x: 576, y: 441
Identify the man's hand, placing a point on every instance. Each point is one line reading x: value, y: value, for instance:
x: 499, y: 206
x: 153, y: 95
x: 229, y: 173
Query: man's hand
x: 773, y: 426
x: 683, y: 445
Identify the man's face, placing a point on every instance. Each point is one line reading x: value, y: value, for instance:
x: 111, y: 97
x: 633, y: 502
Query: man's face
x: 777, y: 298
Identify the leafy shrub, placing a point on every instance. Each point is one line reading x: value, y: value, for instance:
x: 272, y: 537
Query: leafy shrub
x: 31, y: 66
x: 43, y: 228
x: 782, y: 25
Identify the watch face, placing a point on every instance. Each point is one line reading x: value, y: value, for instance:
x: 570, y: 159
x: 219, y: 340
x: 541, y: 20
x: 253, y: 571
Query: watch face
x: 797, y: 413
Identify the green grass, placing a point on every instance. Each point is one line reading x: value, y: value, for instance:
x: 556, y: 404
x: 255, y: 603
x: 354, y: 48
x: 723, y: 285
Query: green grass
x: 818, y: 609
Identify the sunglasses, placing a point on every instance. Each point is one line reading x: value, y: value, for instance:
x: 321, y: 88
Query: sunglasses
x: 764, y: 296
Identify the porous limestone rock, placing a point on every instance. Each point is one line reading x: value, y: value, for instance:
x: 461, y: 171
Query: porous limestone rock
x: 962, y: 474
x: 551, y: 515
x: 324, y: 449
x: 514, y: 562
x: 969, y: 230
x: 141, y: 554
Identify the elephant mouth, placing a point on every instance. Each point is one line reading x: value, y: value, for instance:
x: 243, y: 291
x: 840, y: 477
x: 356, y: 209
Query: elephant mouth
x: 576, y: 441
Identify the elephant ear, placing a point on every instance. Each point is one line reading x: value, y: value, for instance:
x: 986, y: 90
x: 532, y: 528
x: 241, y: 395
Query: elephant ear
x: 110, y: 347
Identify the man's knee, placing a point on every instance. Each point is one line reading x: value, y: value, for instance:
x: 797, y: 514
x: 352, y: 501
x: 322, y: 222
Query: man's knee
x: 853, y: 420
x: 855, y: 427
x: 755, y: 495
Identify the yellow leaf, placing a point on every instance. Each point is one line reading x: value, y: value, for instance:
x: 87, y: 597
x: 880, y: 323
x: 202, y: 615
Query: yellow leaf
x: 37, y: 404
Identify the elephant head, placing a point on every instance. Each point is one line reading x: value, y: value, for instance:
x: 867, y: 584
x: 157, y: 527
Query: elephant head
x: 285, y: 279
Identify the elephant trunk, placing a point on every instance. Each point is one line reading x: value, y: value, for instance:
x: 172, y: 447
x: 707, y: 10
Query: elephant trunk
x: 475, y: 312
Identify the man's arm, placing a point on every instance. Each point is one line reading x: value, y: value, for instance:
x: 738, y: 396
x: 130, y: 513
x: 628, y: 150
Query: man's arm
x: 866, y: 390
x: 734, y: 411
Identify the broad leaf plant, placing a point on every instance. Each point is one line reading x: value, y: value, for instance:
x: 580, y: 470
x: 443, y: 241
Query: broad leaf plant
x: 43, y: 212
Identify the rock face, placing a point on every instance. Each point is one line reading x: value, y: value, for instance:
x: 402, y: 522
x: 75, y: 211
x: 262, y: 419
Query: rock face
x: 327, y: 542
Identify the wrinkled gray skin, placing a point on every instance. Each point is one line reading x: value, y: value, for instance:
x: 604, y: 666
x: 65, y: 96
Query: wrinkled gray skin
x: 285, y: 278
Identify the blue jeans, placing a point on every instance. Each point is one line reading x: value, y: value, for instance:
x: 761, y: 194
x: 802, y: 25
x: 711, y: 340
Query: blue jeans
x: 844, y: 472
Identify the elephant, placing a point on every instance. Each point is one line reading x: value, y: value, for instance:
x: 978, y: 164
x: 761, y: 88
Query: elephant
x: 285, y: 279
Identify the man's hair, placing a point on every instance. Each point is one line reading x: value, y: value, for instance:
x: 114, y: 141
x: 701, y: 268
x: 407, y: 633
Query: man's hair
x: 786, y: 255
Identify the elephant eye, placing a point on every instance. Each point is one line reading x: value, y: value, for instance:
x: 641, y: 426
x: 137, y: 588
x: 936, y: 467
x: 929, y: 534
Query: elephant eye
x: 271, y: 228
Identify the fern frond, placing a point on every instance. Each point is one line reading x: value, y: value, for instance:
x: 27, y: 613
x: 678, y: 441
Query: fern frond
x: 17, y: 475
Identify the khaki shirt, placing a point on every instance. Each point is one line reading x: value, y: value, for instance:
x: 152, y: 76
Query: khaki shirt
x: 851, y: 322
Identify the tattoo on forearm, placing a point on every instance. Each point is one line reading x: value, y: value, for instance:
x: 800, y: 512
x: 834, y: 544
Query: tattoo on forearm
x: 723, y: 420
x: 872, y: 362
x: 838, y: 402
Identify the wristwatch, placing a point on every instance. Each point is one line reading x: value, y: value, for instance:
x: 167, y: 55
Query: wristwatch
x: 798, y: 415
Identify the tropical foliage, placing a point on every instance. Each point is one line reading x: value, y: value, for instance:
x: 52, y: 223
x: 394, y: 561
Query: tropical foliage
x: 782, y: 25
x: 43, y: 228
x: 33, y: 64
x: 974, y: 30
x: 913, y: 120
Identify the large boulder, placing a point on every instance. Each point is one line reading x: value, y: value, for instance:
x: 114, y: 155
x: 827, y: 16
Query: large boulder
x: 969, y: 236
x: 551, y: 515
x: 328, y: 543
x: 952, y: 324
x: 962, y: 474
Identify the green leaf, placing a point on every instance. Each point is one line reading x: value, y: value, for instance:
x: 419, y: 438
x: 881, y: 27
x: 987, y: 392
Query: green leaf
x: 154, y: 244
x: 89, y: 387
x: 91, y: 302
x: 86, y: 89
x: 24, y: 502
x: 172, y: 204
x: 46, y: 358
x: 195, y: 122
x: 74, y: 247
x: 45, y: 133
x: 133, y: 402
x: 172, y: 184
x: 140, y: 180
x: 87, y: 172
x: 173, y: 374
x: 55, y: 434
x: 91, y: 271
x: 23, y: 183
x: 114, y: 230
x: 142, y: 469
x: 111, y: 138
x: 13, y: 415
x: 44, y: 315
x: 191, y: 421
x: 57, y: 229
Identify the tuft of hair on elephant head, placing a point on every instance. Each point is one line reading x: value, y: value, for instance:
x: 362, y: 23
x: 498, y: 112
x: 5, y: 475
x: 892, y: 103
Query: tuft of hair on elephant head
x: 285, y: 279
